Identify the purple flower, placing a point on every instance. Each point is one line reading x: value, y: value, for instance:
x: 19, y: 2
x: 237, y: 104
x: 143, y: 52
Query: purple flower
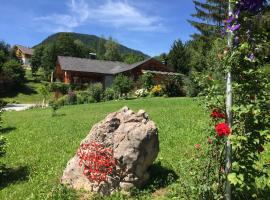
x: 230, y: 19
x: 234, y: 27
x: 251, y: 57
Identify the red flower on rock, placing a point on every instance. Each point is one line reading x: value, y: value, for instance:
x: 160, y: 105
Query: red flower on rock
x: 97, y: 161
x: 217, y: 114
x: 223, y: 129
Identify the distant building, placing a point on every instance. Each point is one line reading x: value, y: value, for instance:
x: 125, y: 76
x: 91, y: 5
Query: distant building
x: 24, y: 54
x: 81, y: 70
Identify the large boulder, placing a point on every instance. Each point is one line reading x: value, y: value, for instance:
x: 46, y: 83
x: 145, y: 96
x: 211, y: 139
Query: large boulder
x: 134, y: 141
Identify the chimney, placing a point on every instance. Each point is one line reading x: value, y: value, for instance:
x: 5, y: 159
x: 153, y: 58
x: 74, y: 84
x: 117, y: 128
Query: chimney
x: 92, y: 56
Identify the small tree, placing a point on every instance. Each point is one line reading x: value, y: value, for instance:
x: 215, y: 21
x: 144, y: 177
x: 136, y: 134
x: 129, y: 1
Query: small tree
x: 36, y: 59
x: 122, y: 84
x: 43, y: 90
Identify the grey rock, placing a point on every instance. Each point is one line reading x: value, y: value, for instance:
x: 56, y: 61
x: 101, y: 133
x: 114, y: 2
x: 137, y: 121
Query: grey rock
x: 134, y: 140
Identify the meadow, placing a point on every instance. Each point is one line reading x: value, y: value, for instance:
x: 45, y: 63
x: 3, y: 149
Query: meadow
x: 40, y: 145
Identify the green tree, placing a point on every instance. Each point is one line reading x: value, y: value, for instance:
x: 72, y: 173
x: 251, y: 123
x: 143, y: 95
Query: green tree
x: 131, y: 58
x: 178, y: 57
x: 82, y: 51
x: 197, y: 50
x: 122, y: 84
x: 101, y: 50
x: 210, y: 15
x: 4, y: 53
x: 36, y: 59
x: 112, y: 50
x: 14, y: 72
x: 48, y: 60
x: 65, y: 45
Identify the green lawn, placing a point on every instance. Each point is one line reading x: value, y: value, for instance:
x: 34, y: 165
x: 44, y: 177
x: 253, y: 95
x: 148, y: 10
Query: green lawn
x: 40, y: 145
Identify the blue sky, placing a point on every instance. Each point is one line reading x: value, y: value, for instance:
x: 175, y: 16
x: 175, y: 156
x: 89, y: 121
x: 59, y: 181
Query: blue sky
x: 150, y: 26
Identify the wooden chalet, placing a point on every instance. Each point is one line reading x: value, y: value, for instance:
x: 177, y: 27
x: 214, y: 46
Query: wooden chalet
x: 81, y: 70
x: 24, y: 54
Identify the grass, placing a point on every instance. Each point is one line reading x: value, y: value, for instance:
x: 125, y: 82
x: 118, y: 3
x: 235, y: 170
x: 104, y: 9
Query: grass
x: 40, y: 146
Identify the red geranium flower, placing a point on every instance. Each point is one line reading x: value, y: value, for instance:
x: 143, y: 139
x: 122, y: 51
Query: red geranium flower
x: 223, y: 129
x: 217, y: 114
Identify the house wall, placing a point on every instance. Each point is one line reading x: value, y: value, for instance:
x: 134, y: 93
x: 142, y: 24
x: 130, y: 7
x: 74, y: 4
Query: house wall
x: 68, y: 77
x: 152, y: 65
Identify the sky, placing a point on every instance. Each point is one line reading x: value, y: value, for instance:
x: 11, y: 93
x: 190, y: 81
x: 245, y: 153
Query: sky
x: 150, y: 26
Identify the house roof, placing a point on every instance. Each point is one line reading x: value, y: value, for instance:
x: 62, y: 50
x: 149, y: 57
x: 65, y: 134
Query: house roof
x: 90, y: 65
x: 95, y: 66
x: 25, y: 50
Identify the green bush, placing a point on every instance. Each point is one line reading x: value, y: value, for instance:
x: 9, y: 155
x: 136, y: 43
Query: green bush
x: 96, y: 92
x: 11, y: 75
x: 122, y: 84
x: 193, y: 88
x: 84, y: 97
x: 71, y: 98
x: 59, y: 87
x: 174, y: 87
x: 55, y: 105
x: 109, y: 94
x: 147, y: 81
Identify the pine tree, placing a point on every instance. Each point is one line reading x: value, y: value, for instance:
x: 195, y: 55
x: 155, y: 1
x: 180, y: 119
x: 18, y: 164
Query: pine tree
x: 178, y: 57
x: 211, y: 14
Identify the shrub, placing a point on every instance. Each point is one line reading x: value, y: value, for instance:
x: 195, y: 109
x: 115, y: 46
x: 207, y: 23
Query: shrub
x: 173, y: 87
x: 14, y: 71
x: 157, y: 91
x: 141, y: 93
x: 11, y: 76
x: 193, y: 87
x: 84, y: 97
x: 147, y: 81
x: 62, y: 100
x: 59, y: 87
x: 122, y: 84
x: 71, y: 98
x: 109, y: 94
x: 55, y: 105
x: 96, y: 92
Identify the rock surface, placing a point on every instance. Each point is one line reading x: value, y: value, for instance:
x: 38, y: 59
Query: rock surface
x: 134, y: 140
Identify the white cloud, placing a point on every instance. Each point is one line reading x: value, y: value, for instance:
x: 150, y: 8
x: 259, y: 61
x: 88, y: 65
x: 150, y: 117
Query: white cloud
x: 118, y: 14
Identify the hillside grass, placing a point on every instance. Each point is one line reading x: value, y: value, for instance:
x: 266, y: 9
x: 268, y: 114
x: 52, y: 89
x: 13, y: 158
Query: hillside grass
x: 41, y: 145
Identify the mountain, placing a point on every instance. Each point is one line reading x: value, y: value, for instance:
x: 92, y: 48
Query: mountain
x: 92, y: 41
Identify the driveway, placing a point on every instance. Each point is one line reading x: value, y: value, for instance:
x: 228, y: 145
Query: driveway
x: 18, y: 107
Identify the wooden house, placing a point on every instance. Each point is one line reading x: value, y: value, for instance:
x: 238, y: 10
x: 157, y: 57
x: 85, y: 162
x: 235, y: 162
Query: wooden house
x: 24, y: 54
x: 81, y: 70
